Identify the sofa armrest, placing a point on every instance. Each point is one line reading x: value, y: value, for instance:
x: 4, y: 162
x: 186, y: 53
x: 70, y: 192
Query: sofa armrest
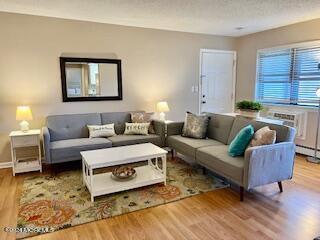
x: 160, y: 129
x: 174, y: 128
x: 46, y: 144
x: 268, y: 164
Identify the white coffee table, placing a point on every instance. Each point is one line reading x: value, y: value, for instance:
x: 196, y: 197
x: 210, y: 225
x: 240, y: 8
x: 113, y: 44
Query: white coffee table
x: 103, y: 183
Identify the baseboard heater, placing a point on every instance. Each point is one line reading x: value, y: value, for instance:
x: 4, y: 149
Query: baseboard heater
x: 308, y: 151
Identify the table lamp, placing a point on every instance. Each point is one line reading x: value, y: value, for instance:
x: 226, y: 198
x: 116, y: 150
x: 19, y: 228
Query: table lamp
x: 315, y: 159
x: 23, y: 114
x: 162, y: 107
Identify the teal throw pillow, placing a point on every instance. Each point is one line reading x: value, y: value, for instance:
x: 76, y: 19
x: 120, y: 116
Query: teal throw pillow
x: 239, y: 144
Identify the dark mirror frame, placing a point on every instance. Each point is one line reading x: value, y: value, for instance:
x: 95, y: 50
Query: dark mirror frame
x: 64, y: 60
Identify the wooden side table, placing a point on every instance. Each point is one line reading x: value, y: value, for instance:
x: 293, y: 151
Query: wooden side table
x: 19, y: 139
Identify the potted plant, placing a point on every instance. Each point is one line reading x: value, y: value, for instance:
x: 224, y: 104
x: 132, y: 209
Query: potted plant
x: 250, y: 109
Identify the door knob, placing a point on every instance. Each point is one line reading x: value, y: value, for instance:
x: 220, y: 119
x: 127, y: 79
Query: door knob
x: 203, y: 102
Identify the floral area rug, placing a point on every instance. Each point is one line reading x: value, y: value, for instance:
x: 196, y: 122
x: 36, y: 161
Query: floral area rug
x: 52, y: 203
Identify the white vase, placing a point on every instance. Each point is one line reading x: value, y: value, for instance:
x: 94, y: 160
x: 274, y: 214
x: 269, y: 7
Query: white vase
x: 249, y: 113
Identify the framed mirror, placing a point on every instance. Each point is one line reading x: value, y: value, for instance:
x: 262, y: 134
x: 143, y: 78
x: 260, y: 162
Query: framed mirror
x: 90, y: 79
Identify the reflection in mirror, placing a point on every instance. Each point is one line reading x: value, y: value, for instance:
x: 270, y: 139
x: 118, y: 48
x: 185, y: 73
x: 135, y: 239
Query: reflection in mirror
x: 91, y: 79
x: 98, y: 79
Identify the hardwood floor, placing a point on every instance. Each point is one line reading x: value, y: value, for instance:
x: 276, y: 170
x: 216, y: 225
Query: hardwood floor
x: 264, y: 214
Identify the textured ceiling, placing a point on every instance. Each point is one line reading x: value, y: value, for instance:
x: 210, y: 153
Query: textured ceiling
x: 219, y: 17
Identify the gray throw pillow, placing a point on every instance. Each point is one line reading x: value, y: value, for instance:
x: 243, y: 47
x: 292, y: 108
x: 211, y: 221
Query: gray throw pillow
x: 195, y: 126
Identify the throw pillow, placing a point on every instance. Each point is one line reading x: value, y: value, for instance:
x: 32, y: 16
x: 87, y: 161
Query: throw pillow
x: 195, y: 126
x: 136, y: 128
x: 96, y: 131
x: 239, y: 144
x: 264, y: 136
x: 140, y: 117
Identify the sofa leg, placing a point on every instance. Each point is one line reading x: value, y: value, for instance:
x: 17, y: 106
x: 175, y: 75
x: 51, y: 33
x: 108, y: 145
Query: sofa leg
x: 241, y: 193
x: 172, y: 153
x: 280, y: 186
x: 53, y: 170
x: 56, y: 171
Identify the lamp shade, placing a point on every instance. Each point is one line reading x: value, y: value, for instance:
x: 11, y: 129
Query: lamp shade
x: 163, y: 107
x: 23, y: 113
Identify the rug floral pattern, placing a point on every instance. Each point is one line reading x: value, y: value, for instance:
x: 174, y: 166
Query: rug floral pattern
x: 62, y: 201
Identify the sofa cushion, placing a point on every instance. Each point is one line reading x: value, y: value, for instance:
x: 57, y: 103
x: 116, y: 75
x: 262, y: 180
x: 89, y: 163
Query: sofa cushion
x: 219, y: 127
x: 118, y: 118
x: 195, y: 126
x: 217, y: 159
x: 136, y: 129
x: 239, y: 144
x: 238, y: 123
x: 284, y: 133
x: 96, y: 131
x: 142, y: 117
x: 264, y: 136
x: 68, y: 150
x: 188, y: 146
x: 71, y: 126
x: 121, y: 140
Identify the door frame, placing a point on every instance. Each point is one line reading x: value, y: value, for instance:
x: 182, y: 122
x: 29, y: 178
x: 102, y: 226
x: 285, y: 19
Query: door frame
x: 234, y: 69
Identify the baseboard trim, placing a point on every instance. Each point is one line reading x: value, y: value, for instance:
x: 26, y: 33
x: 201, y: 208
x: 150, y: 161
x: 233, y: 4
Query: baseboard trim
x: 308, y: 151
x: 5, y: 165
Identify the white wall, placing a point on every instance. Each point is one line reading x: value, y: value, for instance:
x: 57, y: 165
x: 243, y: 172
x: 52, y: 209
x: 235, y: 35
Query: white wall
x: 247, y: 47
x: 156, y: 65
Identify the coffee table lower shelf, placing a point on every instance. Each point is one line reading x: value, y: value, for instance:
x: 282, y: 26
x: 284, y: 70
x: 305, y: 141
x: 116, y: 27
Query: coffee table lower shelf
x: 104, y: 183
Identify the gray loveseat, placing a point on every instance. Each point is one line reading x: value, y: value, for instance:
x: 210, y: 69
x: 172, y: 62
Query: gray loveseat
x: 259, y: 166
x: 65, y: 136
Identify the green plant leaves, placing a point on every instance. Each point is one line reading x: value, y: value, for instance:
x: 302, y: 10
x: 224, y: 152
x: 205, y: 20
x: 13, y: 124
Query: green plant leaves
x: 249, y: 105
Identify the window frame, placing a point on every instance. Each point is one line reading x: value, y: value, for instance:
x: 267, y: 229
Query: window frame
x: 314, y: 43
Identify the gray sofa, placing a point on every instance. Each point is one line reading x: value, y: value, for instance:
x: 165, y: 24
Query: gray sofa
x: 65, y: 136
x: 259, y: 166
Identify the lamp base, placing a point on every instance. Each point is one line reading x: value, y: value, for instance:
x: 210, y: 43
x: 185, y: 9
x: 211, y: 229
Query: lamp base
x: 162, y: 116
x: 313, y: 160
x: 24, y: 126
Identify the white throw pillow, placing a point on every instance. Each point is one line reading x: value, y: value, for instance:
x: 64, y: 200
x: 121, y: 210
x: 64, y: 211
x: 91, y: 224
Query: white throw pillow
x: 264, y: 136
x: 136, y: 128
x: 96, y: 131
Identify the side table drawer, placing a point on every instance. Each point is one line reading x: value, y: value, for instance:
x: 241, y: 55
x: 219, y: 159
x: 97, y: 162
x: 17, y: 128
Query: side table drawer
x: 23, y: 141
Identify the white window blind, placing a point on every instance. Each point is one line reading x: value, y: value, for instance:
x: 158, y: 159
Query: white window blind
x: 288, y: 76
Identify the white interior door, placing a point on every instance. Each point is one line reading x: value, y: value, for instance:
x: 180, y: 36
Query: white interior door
x: 217, y: 81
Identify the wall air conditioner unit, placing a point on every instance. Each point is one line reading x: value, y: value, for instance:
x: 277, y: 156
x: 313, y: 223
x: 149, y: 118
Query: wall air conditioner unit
x: 298, y: 120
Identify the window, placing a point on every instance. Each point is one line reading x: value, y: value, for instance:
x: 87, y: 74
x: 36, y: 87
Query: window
x: 289, y: 75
